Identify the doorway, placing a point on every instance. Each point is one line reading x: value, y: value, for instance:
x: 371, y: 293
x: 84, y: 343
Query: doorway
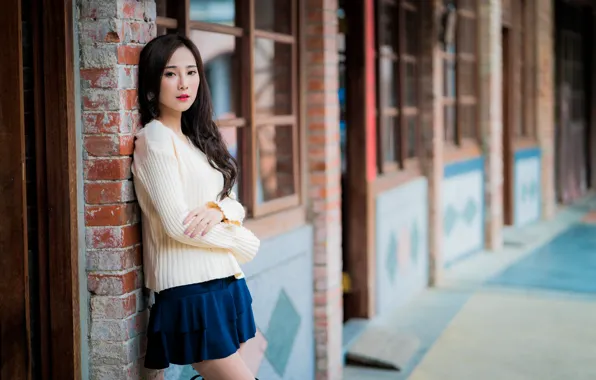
x: 507, y: 135
x: 39, y: 301
x: 573, y: 23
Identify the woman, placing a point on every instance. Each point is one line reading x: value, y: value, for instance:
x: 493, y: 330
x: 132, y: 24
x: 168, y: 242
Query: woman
x: 193, y: 239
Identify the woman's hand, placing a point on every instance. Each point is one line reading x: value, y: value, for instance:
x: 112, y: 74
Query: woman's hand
x: 202, y: 219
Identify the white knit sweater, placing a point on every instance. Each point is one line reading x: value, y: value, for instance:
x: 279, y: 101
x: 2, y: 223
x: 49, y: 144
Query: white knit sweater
x: 172, y: 178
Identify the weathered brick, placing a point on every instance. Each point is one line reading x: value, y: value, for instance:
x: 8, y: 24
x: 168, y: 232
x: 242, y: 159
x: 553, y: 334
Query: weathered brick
x: 119, y: 329
x: 102, y: 145
x: 112, y: 215
x: 95, y: 9
x: 109, y: 145
x: 99, y: 55
x: 114, y: 307
x: 113, y: 237
x: 99, y: 78
x: 101, y: 30
x: 108, y: 169
x: 109, y: 192
x: 113, y: 353
x: 129, y: 54
x: 114, y: 259
x: 130, y: 9
x: 137, y: 32
x: 127, y: 77
x: 128, y: 99
x: 110, y: 122
x: 113, y: 284
x: 101, y: 99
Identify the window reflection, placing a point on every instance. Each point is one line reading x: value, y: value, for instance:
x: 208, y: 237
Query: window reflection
x: 217, y: 51
x: 273, y: 78
x: 275, y: 164
x: 274, y: 15
x: 214, y: 11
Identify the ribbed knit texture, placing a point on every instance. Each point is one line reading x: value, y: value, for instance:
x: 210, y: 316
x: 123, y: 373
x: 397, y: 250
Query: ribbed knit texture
x: 172, y: 178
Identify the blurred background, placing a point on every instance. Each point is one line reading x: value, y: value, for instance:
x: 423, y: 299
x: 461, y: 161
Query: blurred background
x: 420, y: 172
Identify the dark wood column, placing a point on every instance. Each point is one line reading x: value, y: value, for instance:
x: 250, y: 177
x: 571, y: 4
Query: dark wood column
x: 13, y: 232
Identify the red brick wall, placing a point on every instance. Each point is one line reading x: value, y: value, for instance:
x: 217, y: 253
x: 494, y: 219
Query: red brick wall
x: 111, y: 35
x: 324, y: 172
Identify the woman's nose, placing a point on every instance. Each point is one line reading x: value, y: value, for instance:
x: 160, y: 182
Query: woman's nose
x: 183, y: 85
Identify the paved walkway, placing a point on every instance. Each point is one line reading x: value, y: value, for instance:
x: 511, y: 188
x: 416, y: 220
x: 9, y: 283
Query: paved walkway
x: 526, y: 313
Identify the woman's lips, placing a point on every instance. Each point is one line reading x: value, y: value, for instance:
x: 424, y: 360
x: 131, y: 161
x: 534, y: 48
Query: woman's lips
x: 183, y: 98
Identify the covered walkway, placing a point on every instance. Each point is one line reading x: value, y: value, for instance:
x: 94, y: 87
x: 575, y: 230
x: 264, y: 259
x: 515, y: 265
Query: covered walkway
x: 524, y: 313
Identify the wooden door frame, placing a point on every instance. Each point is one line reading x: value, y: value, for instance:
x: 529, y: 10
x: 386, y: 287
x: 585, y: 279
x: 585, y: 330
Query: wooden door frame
x: 14, y: 338
x: 508, y: 93
x: 57, y: 184
x: 361, y: 160
x: 61, y: 174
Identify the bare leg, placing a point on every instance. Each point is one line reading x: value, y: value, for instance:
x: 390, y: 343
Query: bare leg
x: 230, y: 368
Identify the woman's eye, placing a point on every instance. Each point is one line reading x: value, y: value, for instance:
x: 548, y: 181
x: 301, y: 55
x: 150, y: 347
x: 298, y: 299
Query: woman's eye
x: 193, y: 72
x: 169, y: 74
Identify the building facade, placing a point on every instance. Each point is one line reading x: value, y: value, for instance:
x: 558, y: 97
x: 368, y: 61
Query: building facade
x: 380, y: 141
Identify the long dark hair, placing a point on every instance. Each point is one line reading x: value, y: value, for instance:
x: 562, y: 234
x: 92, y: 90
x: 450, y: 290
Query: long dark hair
x: 197, y: 121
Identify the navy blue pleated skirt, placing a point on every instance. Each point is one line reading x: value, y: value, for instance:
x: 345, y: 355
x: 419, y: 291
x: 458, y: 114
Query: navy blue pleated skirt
x: 204, y: 321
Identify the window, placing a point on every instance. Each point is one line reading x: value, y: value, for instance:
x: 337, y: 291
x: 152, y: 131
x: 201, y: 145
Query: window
x: 524, y: 126
x: 460, y: 87
x: 397, y: 53
x: 249, y: 50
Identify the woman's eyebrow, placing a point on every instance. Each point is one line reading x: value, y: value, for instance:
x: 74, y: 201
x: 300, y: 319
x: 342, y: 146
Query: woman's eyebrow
x: 175, y: 67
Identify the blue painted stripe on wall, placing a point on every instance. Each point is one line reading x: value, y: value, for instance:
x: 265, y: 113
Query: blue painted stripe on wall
x: 527, y: 153
x: 462, y: 167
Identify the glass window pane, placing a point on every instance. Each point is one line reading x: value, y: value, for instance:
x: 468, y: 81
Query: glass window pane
x: 217, y: 52
x: 466, y: 4
x: 449, y: 123
x: 468, y: 121
x: 275, y: 165
x: 161, y: 9
x: 412, y: 34
x: 389, y: 91
x: 231, y: 136
x: 273, y: 78
x: 467, y: 35
x: 388, y: 26
x: 467, y: 75
x: 449, y: 88
x: 274, y: 15
x: 214, y: 11
x: 411, y: 85
x: 412, y: 132
x: 389, y: 139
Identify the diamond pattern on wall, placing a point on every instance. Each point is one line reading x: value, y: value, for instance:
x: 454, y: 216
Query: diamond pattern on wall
x: 282, y: 332
x: 470, y: 211
x: 529, y: 191
x: 468, y: 214
x: 391, y: 260
x: 450, y: 219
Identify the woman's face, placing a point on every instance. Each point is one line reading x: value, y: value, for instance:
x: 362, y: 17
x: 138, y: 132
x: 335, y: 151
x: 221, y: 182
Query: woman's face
x: 180, y: 82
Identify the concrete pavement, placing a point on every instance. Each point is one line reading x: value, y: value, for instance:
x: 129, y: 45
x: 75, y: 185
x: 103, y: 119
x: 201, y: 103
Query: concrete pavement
x: 527, y: 312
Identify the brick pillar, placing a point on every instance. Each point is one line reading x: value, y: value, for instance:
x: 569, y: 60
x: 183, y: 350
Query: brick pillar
x: 324, y: 173
x: 433, y: 132
x: 491, y: 120
x: 111, y: 34
x: 543, y: 29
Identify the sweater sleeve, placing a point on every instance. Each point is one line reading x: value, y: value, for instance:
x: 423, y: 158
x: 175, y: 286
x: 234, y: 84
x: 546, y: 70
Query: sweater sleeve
x: 157, y: 169
x: 232, y: 210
